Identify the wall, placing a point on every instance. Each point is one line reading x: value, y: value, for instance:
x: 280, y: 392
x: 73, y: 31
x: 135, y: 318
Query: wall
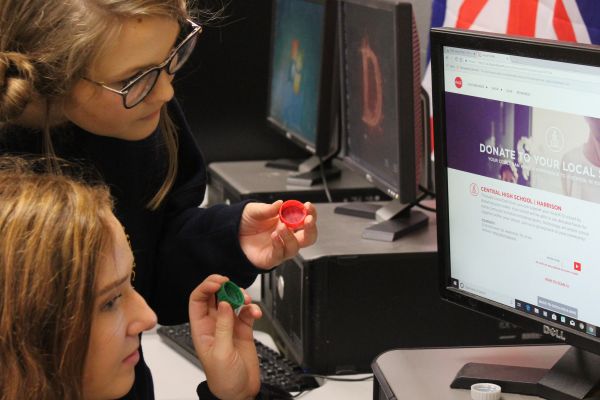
x: 223, y: 88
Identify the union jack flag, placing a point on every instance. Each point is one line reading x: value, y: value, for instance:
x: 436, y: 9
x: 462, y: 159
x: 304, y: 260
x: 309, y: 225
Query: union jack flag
x: 565, y: 20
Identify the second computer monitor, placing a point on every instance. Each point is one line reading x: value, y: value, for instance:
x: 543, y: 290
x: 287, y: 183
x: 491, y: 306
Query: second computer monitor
x: 303, y: 94
x: 381, y: 107
x: 381, y: 93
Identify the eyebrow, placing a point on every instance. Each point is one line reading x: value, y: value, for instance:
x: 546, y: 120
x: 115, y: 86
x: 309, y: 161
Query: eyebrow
x: 113, y: 285
x: 143, y: 68
x: 134, y: 71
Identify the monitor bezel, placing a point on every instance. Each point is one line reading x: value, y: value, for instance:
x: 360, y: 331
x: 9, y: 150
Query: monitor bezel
x: 511, y: 45
x: 326, y: 142
x: 405, y: 188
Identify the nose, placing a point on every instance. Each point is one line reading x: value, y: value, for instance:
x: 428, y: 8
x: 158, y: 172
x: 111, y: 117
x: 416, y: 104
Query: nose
x: 142, y: 316
x: 163, y: 90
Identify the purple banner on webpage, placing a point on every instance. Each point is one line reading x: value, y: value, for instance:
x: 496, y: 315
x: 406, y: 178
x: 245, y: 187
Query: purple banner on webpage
x: 543, y: 149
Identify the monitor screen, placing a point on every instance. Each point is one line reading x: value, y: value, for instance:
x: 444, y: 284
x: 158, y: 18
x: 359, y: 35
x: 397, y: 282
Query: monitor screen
x: 380, y: 94
x: 302, y: 68
x: 381, y: 111
x: 517, y: 128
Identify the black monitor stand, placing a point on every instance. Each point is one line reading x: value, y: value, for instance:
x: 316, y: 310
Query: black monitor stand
x: 396, y: 219
x: 573, y: 377
x: 309, y: 170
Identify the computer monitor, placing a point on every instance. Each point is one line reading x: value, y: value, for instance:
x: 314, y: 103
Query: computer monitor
x: 517, y: 152
x: 381, y: 110
x: 304, y: 96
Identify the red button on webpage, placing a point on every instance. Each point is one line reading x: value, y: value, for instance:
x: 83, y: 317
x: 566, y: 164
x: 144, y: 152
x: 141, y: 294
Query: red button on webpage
x: 458, y: 82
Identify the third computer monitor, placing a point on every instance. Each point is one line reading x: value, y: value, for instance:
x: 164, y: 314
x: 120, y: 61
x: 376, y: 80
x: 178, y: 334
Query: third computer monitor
x: 303, y: 94
x: 517, y: 125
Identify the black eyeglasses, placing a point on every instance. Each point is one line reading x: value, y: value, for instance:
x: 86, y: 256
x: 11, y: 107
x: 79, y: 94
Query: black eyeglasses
x: 136, y: 89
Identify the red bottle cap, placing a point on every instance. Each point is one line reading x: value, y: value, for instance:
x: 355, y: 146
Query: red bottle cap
x: 292, y: 214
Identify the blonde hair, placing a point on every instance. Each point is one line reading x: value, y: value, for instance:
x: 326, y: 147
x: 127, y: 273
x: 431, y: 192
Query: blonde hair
x: 48, y: 46
x: 53, y: 230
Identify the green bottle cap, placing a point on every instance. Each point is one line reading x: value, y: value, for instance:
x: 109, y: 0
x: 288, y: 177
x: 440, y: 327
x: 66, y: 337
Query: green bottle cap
x: 231, y: 293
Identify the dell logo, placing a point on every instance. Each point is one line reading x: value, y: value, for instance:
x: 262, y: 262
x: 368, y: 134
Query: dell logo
x: 557, y: 333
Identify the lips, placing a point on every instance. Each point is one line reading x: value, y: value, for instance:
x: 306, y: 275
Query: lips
x: 133, y: 357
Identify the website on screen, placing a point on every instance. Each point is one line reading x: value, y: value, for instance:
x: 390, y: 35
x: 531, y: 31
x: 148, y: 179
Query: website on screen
x: 523, y: 151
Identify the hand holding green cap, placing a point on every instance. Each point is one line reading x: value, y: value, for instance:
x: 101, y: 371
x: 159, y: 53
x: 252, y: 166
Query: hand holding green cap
x: 231, y: 293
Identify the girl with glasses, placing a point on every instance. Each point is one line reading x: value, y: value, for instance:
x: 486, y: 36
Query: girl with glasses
x: 90, y: 81
x: 70, y: 319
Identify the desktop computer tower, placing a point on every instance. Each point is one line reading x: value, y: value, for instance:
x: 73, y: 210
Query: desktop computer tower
x: 341, y: 302
x: 233, y: 181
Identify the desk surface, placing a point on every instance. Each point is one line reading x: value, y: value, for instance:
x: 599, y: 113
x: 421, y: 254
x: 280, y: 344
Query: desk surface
x: 341, y: 235
x: 176, y: 378
x: 426, y: 374
x: 254, y: 177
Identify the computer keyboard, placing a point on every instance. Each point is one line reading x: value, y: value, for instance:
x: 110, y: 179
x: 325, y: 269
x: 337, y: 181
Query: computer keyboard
x: 275, y: 369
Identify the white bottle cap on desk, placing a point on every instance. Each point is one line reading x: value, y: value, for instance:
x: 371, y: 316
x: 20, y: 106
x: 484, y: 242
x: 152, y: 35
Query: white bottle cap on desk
x: 485, y: 391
